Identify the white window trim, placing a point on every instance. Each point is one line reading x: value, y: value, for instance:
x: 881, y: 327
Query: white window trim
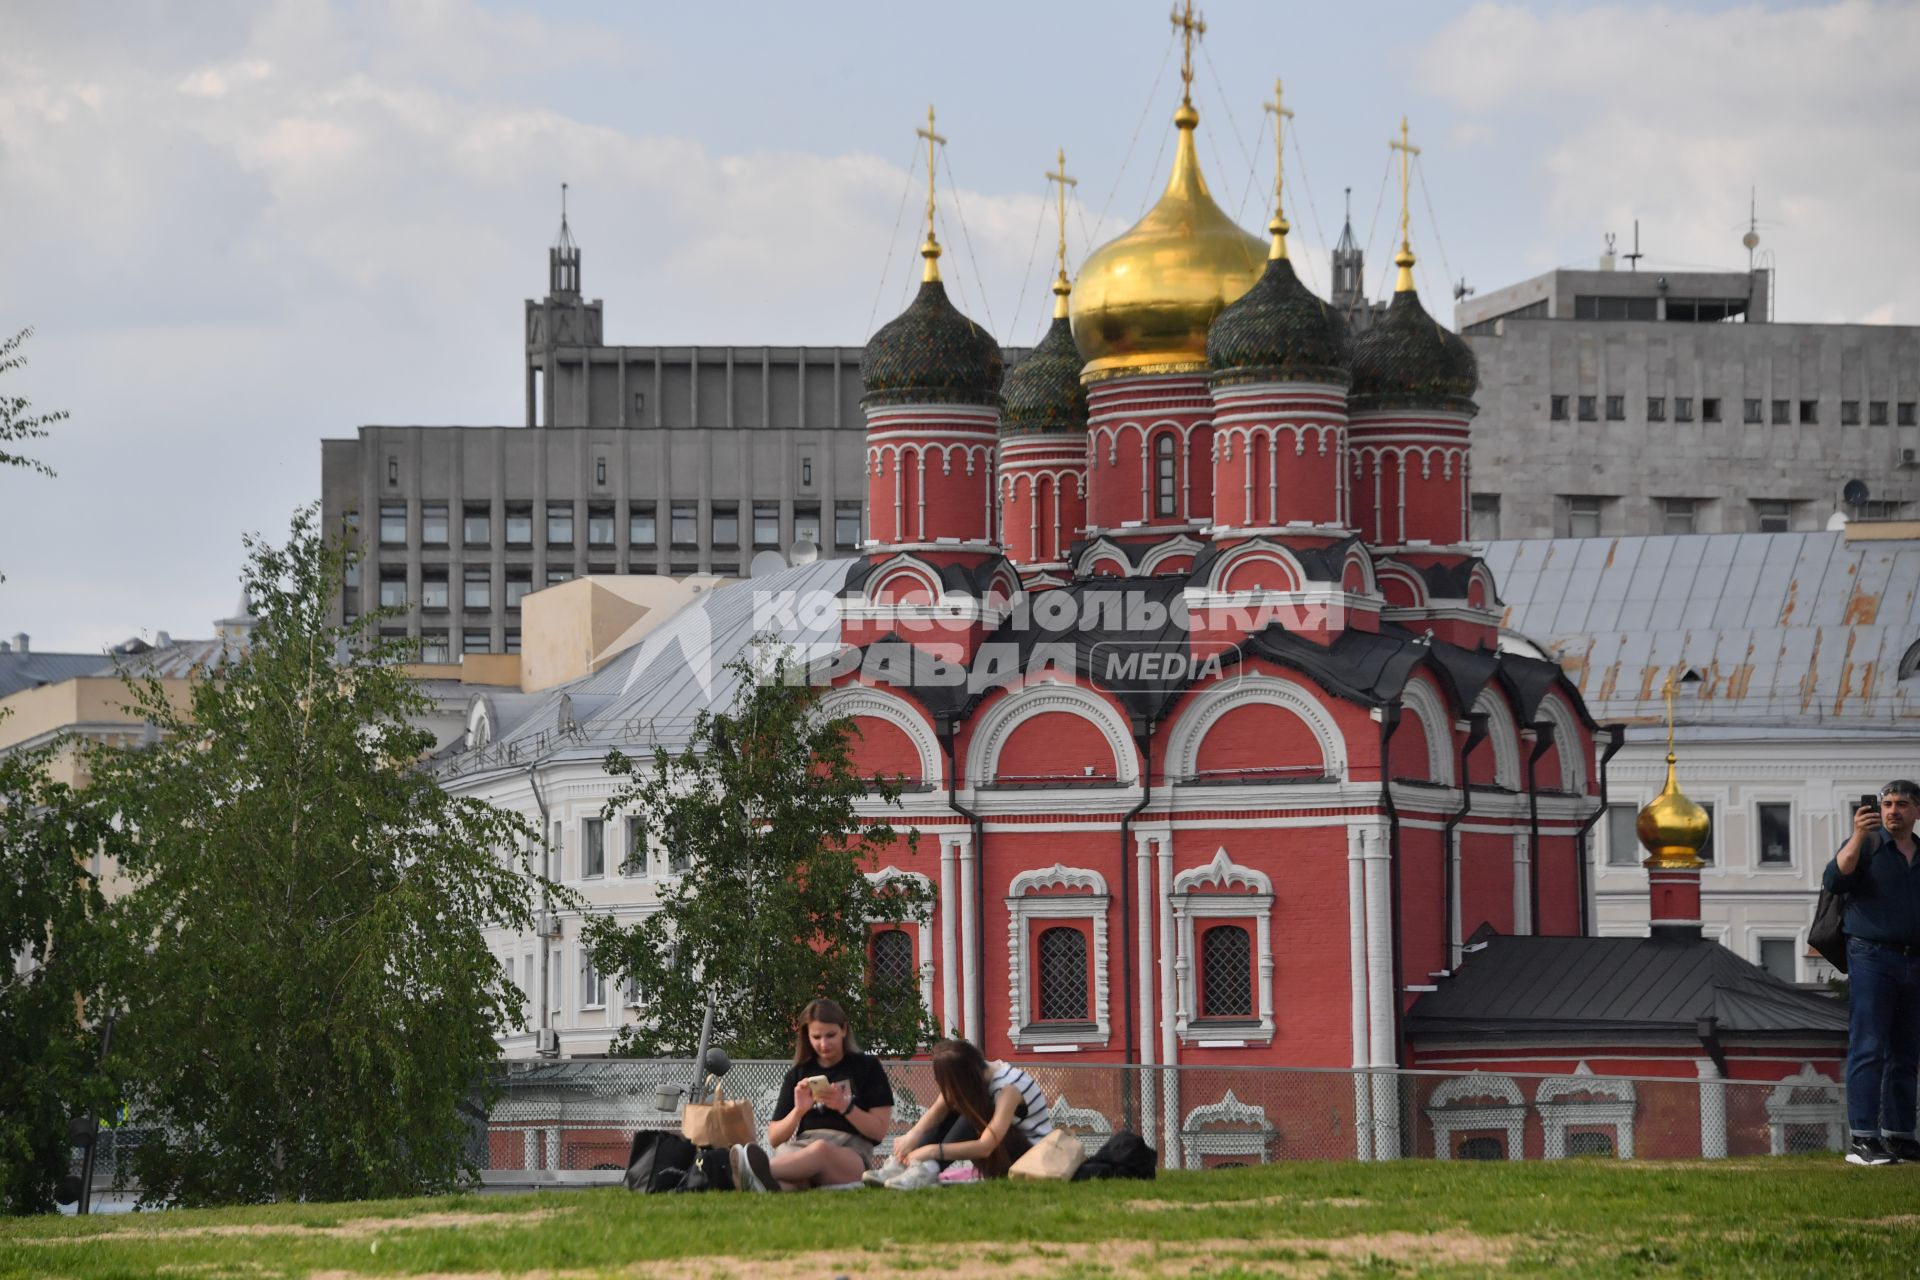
x: 1080, y: 1121
x: 1795, y: 946
x: 1792, y: 866
x: 1209, y: 893
x: 1196, y: 1140
x: 643, y: 867
x: 601, y: 874
x: 1028, y: 899
x: 1509, y: 1116
x: 1607, y: 839
x: 1556, y: 1115
x: 1783, y: 1112
x: 922, y: 948
x: 588, y: 977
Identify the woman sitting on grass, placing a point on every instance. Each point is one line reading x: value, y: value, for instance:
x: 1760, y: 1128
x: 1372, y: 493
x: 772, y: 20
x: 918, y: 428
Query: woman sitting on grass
x: 835, y: 1104
x: 988, y: 1113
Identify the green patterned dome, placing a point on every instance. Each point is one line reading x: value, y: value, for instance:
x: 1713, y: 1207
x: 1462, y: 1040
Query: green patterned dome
x: 931, y: 354
x: 1043, y: 392
x: 1407, y: 358
x: 1278, y: 332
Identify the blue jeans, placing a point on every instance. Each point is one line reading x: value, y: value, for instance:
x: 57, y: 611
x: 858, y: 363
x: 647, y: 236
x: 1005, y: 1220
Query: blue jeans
x: 1883, y: 1045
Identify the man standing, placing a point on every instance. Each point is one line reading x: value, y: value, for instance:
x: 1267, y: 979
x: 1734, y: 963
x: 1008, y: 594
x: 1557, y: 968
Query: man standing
x: 1879, y: 871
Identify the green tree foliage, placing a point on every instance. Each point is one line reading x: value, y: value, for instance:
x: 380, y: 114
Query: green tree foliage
x: 18, y: 422
x: 773, y: 824
x: 312, y: 1005
x: 53, y: 930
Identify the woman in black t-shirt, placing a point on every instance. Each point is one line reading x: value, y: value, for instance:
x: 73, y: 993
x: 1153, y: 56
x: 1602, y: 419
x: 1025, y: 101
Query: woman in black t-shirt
x: 823, y: 1132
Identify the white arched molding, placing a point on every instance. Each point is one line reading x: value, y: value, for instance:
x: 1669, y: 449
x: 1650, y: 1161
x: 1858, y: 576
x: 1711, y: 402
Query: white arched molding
x: 1055, y: 893
x: 479, y: 723
x: 1228, y: 1127
x: 1222, y: 890
x: 1023, y: 704
x: 922, y: 941
x: 1258, y: 549
x: 1805, y: 1099
x: 1416, y: 585
x: 1369, y: 577
x: 1079, y: 1121
x: 855, y: 702
x: 1503, y: 736
x: 1588, y: 1102
x: 1101, y: 548
x: 1179, y: 546
x: 903, y: 565
x: 1566, y: 740
x: 1206, y: 709
x: 1420, y: 696
x: 1468, y: 1104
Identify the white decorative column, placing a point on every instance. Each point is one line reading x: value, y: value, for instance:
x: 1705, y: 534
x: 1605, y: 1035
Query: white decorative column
x: 1381, y: 993
x: 1522, y: 887
x: 1713, y: 1110
x: 1143, y: 978
x: 949, y: 960
x: 1169, y: 1039
x: 1357, y: 978
x: 969, y: 947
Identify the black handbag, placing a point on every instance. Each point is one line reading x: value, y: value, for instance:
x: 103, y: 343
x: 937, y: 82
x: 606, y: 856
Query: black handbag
x: 1828, y: 935
x: 658, y: 1160
x: 1124, y: 1155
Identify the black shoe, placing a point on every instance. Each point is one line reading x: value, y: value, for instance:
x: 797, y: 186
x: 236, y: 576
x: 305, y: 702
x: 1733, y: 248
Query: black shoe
x: 752, y: 1170
x: 1905, y: 1150
x: 1869, y: 1151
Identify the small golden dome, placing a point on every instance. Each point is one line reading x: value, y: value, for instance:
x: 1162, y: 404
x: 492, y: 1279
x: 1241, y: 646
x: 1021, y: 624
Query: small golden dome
x: 1672, y: 827
x: 1144, y: 300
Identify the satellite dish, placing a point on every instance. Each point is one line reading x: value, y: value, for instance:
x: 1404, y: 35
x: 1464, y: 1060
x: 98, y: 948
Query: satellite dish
x: 1855, y: 493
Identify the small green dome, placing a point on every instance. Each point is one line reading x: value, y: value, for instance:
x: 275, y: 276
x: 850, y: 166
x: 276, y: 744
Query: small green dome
x: 1278, y: 331
x: 1043, y: 394
x: 1409, y: 358
x: 931, y: 354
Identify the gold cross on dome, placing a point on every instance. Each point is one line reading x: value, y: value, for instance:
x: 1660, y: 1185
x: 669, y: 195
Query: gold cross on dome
x: 1191, y: 26
x: 1404, y: 259
x: 931, y: 249
x: 1060, y: 287
x: 1281, y: 114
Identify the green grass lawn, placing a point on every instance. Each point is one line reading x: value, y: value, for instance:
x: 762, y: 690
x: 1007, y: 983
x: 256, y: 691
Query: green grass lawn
x: 1809, y: 1216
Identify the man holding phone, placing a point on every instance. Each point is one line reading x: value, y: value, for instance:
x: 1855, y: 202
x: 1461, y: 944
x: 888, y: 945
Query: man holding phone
x: 1878, y: 868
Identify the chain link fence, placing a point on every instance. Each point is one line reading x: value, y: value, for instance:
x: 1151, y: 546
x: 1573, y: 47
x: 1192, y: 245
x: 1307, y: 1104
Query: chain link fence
x: 572, y: 1119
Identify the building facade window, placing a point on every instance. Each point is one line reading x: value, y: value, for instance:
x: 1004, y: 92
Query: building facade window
x: 1776, y: 957
x: 806, y: 522
x: 1849, y: 413
x: 512, y: 642
x: 393, y: 524
x: 393, y: 588
x: 1683, y: 408
x: 593, y: 985
x: 559, y: 524
x: 1226, y: 972
x: 593, y: 848
x: 642, y: 529
x: 519, y: 583
x: 433, y: 524
x: 1772, y: 515
x: 1557, y: 408
x: 1616, y: 408
x: 1163, y: 476
x: 1589, y: 409
x: 1484, y: 517
x: 600, y: 526
x: 1679, y: 515
x: 476, y: 525
x: 1751, y: 412
x: 1623, y: 842
x: 1656, y: 409
x: 433, y: 588
x: 766, y: 524
x: 1062, y: 976
x: 635, y: 861
x: 1781, y: 414
x: 686, y: 524
x: 1776, y: 835
x: 1877, y: 413
x: 847, y: 524
x: 559, y: 573
x: 806, y: 471
x: 476, y: 640
x: 1809, y: 413
x: 477, y: 588
x: 520, y: 524
x: 600, y: 471
x: 890, y: 960
x: 433, y: 647
x: 1706, y: 850
x: 1709, y: 409
x: 1583, y: 516
x: 1906, y: 413
x: 726, y: 524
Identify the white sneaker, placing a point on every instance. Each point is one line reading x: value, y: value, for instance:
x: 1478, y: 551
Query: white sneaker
x: 884, y: 1174
x: 916, y: 1177
x: 751, y: 1169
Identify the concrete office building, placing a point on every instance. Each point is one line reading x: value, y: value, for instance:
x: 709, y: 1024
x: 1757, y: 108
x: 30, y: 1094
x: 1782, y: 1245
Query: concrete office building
x: 670, y: 460
x: 1655, y: 402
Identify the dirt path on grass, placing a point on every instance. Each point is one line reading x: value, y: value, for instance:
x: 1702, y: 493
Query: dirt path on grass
x: 1274, y: 1256
x: 350, y: 1229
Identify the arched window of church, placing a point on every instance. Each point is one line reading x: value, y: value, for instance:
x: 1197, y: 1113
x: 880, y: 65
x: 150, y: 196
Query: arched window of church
x: 891, y: 959
x: 1482, y: 1149
x: 1063, y: 976
x: 1163, y: 475
x: 1590, y: 1144
x: 1226, y: 973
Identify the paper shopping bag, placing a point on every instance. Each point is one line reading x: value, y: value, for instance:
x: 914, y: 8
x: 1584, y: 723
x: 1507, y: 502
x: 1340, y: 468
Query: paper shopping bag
x: 720, y: 1123
x: 1055, y: 1156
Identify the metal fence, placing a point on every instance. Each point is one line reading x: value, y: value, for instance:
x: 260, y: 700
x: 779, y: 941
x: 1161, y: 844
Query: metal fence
x: 572, y: 1119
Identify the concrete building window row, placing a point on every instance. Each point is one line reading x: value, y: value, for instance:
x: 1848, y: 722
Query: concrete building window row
x: 433, y: 524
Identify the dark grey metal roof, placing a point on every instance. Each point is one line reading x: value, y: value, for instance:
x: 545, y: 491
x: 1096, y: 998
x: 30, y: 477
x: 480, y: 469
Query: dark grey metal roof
x: 1619, y: 985
x: 28, y: 670
x: 1783, y: 628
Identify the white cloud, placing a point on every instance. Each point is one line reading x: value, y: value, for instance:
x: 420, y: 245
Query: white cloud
x: 1671, y: 116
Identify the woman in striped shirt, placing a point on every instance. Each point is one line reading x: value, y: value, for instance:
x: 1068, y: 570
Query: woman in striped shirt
x: 988, y: 1113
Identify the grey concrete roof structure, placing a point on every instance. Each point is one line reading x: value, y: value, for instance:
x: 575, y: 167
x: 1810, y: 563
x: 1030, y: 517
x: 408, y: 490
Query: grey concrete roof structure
x: 179, y: 658
x: 1789, y: 630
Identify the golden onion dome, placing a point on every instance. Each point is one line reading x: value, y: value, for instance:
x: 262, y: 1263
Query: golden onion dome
x: 1144, y: 301
x: 1672, y: 827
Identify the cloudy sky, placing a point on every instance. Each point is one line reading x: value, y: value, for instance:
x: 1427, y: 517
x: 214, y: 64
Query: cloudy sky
x: 239, y: 228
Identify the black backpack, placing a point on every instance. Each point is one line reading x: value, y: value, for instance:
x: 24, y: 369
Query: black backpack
x: 658, y: 1160
x: 712, y: 1171
x: 1124, y: 1155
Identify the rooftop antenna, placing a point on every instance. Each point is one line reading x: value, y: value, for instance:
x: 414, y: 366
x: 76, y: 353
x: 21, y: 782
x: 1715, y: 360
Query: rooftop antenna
x: 1752, y: 239
x: 1462, y: 290
x: 1606, y: 259
x: 1633, y: 259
